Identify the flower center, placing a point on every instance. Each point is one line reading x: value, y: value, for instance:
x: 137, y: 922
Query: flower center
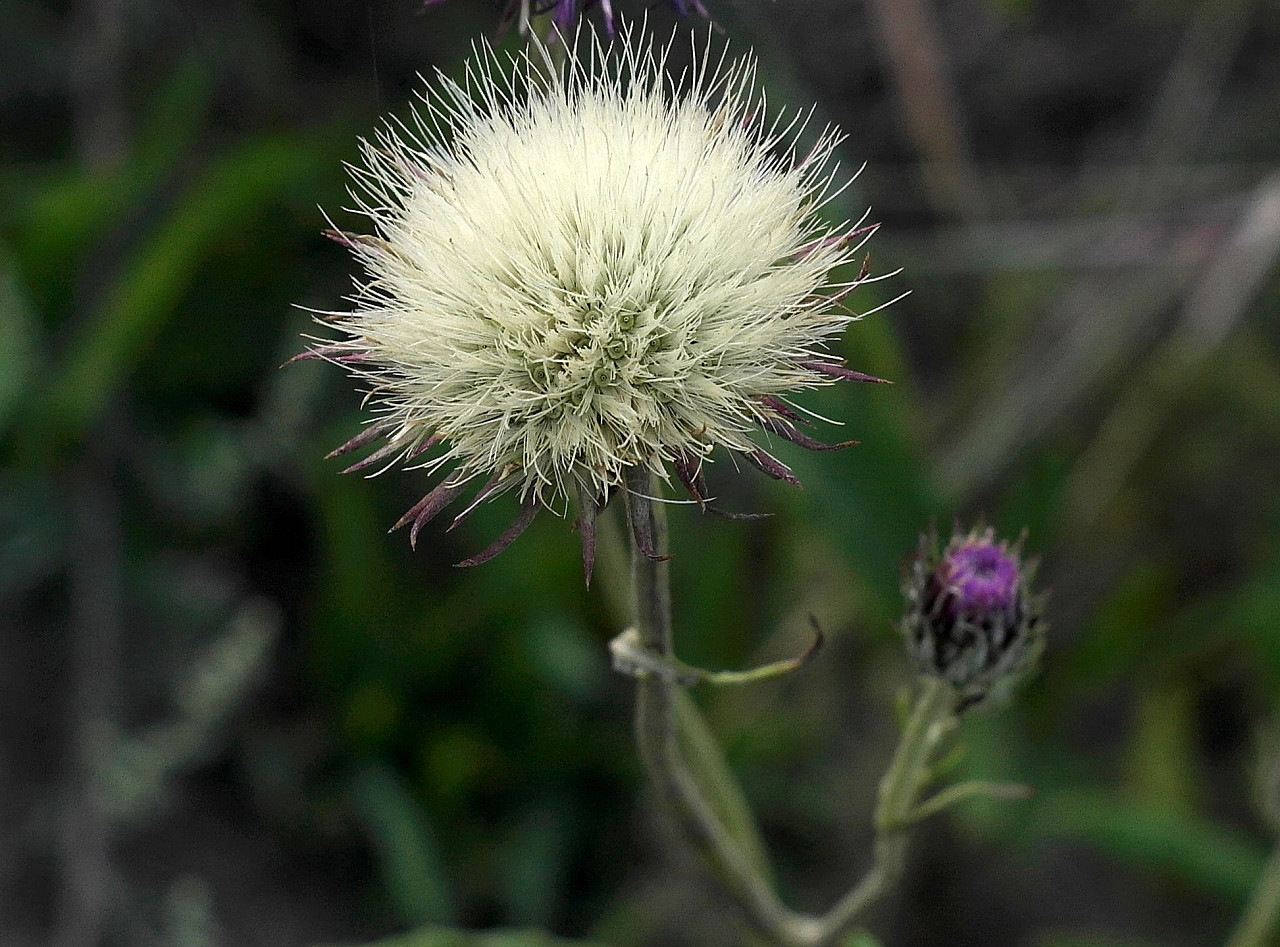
x: 982, y: 576
x: 599, y: 346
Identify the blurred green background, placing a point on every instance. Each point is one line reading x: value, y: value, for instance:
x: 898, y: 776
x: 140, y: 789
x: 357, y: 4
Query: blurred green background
x: 234, y: 712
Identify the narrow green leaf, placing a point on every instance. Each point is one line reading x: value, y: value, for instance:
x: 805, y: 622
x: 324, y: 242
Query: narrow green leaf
x: 535, y: 859
x: 1162, y: 748
x: 717, y: 781
x: 233, y: 191
x: 405, y: 846
x: 1209, y: 857
x: 69, y: 208
x: 176, y: 111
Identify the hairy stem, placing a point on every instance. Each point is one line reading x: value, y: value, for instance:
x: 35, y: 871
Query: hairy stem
x: 932, y: 717
x: 680, y: 794
x: 656, y: 730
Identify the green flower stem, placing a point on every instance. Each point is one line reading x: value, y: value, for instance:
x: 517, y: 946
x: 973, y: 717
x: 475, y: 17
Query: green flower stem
x: 679, y: 793
x: 1257, y: 927
x: 932, y: 718
x: 656, y: 729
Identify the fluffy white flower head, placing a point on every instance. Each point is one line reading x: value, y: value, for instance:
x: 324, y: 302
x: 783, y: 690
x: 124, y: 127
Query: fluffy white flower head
x: 587, y: 269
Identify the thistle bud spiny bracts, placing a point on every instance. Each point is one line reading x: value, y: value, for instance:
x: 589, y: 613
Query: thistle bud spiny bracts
x: 972, y: 619
x: 586, y: 269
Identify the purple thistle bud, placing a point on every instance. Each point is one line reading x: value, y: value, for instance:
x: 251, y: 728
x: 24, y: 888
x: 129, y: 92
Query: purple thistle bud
x: 971, y: 618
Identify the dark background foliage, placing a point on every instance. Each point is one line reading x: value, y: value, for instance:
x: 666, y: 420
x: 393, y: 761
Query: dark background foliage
x: 234, y: 712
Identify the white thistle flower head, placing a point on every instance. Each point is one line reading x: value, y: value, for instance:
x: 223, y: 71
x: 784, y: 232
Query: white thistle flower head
x: 587, y: 269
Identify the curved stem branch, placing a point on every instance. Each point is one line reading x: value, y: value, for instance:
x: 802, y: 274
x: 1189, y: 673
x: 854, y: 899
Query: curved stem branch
x: 678, y: 789
x: 972, y: 790
x: 932, y: 717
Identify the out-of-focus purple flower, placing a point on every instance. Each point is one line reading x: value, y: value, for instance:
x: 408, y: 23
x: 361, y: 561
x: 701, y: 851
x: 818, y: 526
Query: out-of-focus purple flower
x: 972, y: 619
x: 564, y: 13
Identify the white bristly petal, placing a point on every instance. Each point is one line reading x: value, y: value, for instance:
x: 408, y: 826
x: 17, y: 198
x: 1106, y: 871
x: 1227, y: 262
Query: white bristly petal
x: 577, y: 274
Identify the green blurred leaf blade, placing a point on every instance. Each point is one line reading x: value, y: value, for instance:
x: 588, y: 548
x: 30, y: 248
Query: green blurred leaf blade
x: 711, y: 770
x: 405, y: 844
